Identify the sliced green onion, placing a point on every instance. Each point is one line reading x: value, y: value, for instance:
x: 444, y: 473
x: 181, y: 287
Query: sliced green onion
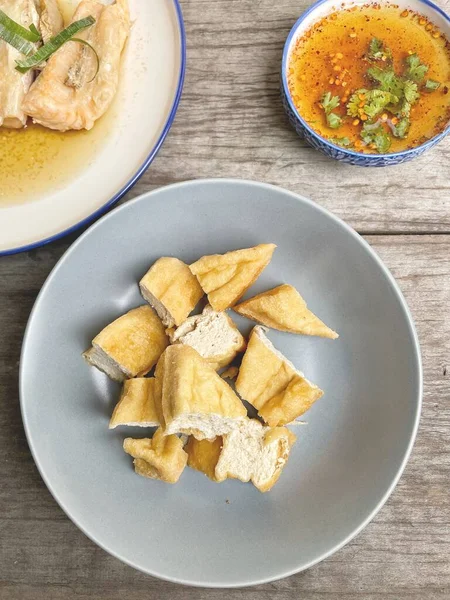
x: 53, y: 45
x: 32, y: 34
x: 16, y: 41
x: 431, y: 85
x: 85, y: 43
x: 34, y: 30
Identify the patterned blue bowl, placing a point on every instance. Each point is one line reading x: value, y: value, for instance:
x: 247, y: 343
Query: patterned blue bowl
x: 317, y: 11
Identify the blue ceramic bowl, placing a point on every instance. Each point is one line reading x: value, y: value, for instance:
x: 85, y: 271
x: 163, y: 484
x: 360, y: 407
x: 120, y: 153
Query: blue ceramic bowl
x: 317, y: 11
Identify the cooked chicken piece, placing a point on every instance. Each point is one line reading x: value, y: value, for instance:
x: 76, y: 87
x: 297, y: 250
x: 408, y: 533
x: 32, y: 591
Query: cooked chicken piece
x: 66, y: 95
x: 50, y: 18
x: 14, y: 85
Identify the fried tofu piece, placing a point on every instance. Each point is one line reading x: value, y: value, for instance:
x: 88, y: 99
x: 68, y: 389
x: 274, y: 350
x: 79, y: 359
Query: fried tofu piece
x: 161, y: 457
x: 230, y: 373
x: 171, y: 288
x: 203, y: 455
x: 226, y: 277
x: 284, y: 309
x: 136, y: 406
x: 271, y: 383
x: 213, y: 334
x: 129, y: 346
x: 194, y: 399
x: 251, y: 452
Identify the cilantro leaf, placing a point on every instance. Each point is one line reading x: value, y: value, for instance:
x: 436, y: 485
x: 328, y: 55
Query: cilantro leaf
x: 387, y: 79
x: 431, y: 85
x: 415, y: 71
x: 404, y: 109
x: 329, y: 102
x: 377, y: 50
x: 376, y: 101
x: 354, y: 102
x: 333, y: 120
x: 401, y: 129
x: 341, y: 141
x: 375, y: 134
x: 410, y: 91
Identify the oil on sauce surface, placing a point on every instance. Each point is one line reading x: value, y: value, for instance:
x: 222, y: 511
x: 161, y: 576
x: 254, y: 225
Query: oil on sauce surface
x: 349, y: 32
x: 35, y: 160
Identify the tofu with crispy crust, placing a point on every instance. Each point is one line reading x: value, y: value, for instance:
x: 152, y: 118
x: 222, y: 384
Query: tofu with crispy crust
x: 284, y: 309
x: 136, y: 407
x: 129, y: 346
x: 226, y: 277
x: 171, y: 288
x: 213, y: 334
x: 161, y: 457
x: 271, y: 383
x: 194, y: 399
x: 251, y: 452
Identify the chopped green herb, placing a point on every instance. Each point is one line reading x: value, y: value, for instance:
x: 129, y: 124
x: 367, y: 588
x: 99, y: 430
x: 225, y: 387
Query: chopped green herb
x: 31, y: 35
x: 329, y: 102
x: 377, y: 50
x: 415, y: 71
x: 410, y: 91
x: 354, y: 102
x: 401, y: 129
x: 375, y: 134
x: 341, y: 141
x: 431, y: 85
x: 45, y: 51
x: 376, y: 101
x: 333, y: 120
x: 404, y: 109
x: 388, y: 80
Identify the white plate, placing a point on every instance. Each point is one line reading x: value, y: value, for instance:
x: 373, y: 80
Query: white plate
x: 150, y: 90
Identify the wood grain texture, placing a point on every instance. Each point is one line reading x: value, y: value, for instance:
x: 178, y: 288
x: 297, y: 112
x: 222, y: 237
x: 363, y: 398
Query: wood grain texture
x: 403, y: 554
x: 230, y: 123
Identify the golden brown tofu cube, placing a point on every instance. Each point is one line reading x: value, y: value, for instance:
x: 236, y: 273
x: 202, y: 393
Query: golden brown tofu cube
x: 226, y: 277
x: 161, y: 457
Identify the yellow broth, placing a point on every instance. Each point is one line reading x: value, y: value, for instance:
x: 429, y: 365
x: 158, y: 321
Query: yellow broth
x: 332, y: 56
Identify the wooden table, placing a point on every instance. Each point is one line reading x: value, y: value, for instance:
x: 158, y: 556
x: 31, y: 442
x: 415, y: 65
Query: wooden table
x: 231, y: 124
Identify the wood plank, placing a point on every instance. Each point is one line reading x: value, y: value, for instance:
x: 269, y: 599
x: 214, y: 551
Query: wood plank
x: 231, y: 124
x: 403, y: 554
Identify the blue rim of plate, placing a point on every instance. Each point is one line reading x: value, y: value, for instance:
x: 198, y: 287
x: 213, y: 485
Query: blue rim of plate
x: 419, y: 381
x: 293, y: 33
x: 141, y: 169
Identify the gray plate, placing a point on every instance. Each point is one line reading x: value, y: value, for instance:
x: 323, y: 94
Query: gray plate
x: 347, y: 459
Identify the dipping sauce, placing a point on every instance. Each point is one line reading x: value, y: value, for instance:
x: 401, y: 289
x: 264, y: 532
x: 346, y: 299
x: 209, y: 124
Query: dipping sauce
x: 372, y: 78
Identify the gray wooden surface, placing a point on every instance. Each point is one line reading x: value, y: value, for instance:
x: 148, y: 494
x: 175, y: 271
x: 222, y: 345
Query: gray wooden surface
x: 230, y: 123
